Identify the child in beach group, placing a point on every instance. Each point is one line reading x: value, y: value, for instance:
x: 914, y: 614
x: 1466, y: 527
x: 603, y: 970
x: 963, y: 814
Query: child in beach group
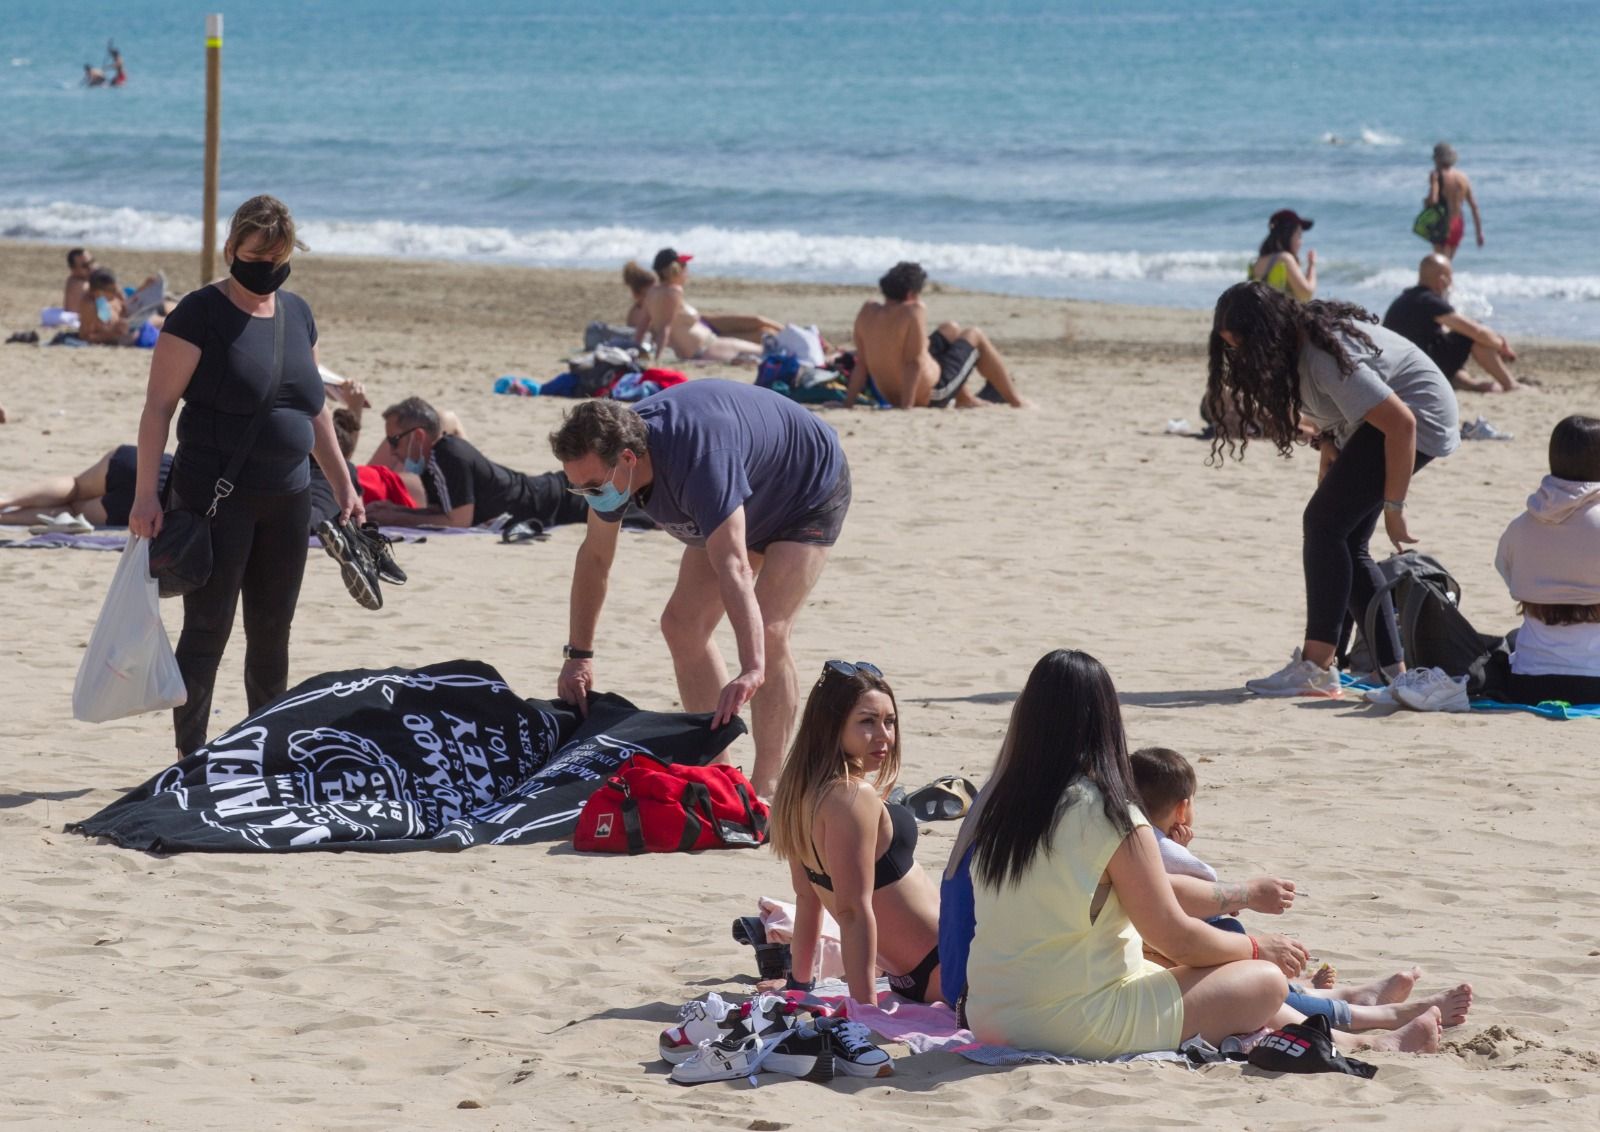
x: 1166, y: 783
x: 1550, y: 559
x: 850, y: 852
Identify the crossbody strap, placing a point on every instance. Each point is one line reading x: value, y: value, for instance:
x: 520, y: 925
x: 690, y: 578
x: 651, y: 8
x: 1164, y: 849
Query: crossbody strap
x: 224, y: 487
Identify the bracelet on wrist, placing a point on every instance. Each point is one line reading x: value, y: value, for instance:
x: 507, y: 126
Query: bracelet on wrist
x: 1394, y: 504
x: 1255, y: 948
x: 571, y: 653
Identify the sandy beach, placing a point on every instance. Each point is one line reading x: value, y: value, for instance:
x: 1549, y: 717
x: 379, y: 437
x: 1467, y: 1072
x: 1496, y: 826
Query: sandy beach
x: 517, y: 988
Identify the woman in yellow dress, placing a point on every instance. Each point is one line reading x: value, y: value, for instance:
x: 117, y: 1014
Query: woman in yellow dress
x: 1068, y: 884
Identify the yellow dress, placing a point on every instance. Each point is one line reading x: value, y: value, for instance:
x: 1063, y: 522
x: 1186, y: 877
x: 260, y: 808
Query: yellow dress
x: 1041, y: 976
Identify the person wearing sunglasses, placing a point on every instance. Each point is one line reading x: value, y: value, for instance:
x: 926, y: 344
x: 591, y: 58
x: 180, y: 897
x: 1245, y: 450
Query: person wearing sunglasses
x: 850, y: 853
x: 756, y: 488
x: 463, y: 487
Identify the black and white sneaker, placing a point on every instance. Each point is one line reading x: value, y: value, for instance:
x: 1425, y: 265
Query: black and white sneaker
x: 348, y: 548
x: 854, y: 1053
x: 803, y: 1052
x: 726, y: 1059
x: 378, y: 546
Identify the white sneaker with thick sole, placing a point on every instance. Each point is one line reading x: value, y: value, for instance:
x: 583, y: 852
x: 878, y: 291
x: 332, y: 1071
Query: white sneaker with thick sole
x: 1434, y: 689
x: 1300, y: 677
x: 725, y: 1060
x: 713, y: 1019
x: 1385, y: 696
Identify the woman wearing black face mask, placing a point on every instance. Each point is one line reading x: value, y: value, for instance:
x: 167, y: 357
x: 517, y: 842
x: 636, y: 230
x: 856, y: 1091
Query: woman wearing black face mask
x: 216, y: 354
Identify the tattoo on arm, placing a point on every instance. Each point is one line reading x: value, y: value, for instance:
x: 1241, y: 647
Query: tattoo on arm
x: 1230, y: 897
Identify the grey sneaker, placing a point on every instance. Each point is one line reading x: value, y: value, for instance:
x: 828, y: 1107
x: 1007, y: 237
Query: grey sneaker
x: 1300, y: 677
x: 1481, y: 429
x: 348, y: 548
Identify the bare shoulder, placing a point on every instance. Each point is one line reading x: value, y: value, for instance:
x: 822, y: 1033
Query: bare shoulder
x: 850, y: 801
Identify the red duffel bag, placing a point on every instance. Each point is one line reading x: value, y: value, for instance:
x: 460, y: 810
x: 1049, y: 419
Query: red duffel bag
x: 651, y: 807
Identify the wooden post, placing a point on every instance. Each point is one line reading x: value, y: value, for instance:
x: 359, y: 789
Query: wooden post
x: 208, y: 242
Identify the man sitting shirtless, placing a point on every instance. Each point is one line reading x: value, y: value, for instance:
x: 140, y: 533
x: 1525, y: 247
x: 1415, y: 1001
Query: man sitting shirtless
x: 913, y: 368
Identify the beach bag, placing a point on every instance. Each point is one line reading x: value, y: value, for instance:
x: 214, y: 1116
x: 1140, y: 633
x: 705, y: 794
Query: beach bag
x: 1306, y: 1047
x: 128, y: 667
x: 777, y: 368
x: 1426, y: 602
x: 1433, y: 222
x: 650, y: 806
x: 180, y: 554
x: 804, y: 342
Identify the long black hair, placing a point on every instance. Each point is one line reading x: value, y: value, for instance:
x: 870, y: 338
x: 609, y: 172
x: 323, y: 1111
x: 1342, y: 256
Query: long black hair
x: 1279, y: 235
x: 1256, y: 386
x: 1066, y: 726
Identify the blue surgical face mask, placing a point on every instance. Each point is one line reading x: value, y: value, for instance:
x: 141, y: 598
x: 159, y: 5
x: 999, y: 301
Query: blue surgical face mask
x: 414, y: 465
x: 610, y: 497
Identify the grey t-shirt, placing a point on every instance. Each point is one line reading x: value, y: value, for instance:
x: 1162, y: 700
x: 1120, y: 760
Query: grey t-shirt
x: 718, y: 445
x: 1330, y: 400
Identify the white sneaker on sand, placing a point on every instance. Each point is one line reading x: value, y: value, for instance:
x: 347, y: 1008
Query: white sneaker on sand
x: 1385, y: 696
x: 724, y: 1060
x: 1434, y: 689
x: 1300, y: 677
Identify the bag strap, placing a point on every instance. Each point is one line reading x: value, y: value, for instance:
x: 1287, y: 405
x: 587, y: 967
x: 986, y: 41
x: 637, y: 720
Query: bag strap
x: 757, y: 823
x: 698, y: 813
x: 224, y: 486
x: 1369, y: 624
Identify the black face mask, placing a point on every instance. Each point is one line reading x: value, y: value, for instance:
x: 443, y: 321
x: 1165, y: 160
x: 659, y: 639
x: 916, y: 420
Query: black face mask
x: 259, y: 277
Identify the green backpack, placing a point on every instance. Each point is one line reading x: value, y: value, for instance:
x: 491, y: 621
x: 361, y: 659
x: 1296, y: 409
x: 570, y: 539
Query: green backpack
x: 1433, y: 222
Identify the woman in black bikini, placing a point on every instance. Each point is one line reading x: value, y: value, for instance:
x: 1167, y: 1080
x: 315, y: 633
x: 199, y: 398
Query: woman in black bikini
x: 849, y: 853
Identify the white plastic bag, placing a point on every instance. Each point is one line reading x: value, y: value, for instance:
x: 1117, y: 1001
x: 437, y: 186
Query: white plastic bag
x: 129, y: 667
x: 804, y: 342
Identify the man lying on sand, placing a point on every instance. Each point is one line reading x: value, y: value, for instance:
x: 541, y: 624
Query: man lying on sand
x: 464, y: 487
x: 912, y: 368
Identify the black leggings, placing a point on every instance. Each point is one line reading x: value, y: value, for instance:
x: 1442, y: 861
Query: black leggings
x: 1537, y: 689
x: 258, y: 547
x: 1341, y: 576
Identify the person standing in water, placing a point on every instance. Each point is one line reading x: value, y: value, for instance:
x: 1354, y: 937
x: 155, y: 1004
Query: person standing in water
x: 1451, y: 185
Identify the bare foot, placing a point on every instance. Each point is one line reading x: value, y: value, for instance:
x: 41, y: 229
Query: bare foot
x: 1453, y: 1004
x: 1420, y: 1035
x: 1396, y: 988
x: 1326, y: 976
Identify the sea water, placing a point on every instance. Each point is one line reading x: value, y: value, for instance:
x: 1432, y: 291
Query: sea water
x: 1129, y: 150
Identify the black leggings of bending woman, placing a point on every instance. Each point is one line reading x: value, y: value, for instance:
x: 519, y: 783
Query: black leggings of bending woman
x: 1380, y: 410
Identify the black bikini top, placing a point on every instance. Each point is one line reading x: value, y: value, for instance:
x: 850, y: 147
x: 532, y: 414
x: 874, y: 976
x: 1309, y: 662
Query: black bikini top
x: 896, y: 861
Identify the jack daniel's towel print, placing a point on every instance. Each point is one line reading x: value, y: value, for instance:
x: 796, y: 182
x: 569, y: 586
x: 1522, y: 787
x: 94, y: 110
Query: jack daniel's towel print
x: 441, y: 757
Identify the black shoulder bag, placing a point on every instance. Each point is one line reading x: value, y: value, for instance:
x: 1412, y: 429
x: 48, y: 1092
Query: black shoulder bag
x: 180, y: 554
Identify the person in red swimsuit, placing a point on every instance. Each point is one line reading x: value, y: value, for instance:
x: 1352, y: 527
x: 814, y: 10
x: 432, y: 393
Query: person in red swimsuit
x: 1454, y: 187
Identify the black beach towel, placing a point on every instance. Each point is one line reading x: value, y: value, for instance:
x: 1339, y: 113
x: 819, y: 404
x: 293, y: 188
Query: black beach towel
x: 441, y: 757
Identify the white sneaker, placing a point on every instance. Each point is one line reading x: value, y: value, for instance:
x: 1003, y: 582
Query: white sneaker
x: 1385, y: 695
x: 1433, y: 689
x: 1300, y: 677
x: 713, y: 1019
x: 725, y: 1060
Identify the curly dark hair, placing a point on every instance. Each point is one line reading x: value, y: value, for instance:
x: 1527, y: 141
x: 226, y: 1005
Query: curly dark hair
x: 1256, y: 386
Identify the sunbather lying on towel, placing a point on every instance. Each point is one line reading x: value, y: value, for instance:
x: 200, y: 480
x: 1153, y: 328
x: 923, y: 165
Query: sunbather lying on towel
x: 462, y: 486
x: 102, y: 493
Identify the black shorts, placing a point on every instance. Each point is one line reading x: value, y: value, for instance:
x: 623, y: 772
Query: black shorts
x: 1450, y: 352
x: 122, y: 479
x: 956, y: 362
x: 821, y: 525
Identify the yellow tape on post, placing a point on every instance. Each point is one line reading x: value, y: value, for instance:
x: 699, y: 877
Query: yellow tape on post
x: 213, y: 43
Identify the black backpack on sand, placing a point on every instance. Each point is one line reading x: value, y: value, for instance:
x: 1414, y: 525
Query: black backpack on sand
x: 1426, y: 602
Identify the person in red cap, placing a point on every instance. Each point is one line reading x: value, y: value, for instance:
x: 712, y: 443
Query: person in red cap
x: 671, y: 321
x: 1278, y: 263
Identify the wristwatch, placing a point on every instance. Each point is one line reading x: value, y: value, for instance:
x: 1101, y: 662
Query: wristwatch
x: 1394, y: 504
x: 576, y: 654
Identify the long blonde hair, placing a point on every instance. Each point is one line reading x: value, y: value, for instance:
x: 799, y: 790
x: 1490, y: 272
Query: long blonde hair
x: 817, y: 761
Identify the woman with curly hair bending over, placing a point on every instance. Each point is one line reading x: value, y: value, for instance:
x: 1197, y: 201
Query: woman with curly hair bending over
x: 1376, y: 408
x: 848, y: 851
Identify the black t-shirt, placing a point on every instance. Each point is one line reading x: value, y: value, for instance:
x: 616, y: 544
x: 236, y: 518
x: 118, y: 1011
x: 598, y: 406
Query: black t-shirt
x: 458, y: 474
x: 228, y: 386
x: 1415, y: 314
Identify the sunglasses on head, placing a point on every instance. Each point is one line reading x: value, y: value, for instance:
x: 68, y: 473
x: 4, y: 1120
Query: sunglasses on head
x: 394, y: 441
x: 846, y: 669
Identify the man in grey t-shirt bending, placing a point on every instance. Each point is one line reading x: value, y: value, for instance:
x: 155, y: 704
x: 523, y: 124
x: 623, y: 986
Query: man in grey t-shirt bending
x: 756, y: 488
